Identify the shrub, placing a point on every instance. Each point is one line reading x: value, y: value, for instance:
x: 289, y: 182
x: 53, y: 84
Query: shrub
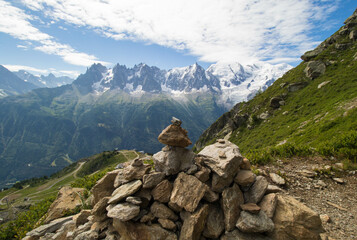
x: 26, y: 221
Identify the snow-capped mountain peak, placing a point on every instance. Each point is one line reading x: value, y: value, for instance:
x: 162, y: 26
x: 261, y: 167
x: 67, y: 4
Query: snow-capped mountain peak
x: 233, y: 82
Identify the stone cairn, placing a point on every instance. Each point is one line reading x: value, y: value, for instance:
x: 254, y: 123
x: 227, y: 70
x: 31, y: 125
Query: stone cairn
x: 187, y: 196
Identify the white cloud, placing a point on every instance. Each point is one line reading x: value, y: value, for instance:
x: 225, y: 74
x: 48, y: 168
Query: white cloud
x: 38, y: 71
x: 16, y: 22
x: 214, y: 30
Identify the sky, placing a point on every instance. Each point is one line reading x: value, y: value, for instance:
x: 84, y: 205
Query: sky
x: 65, y: 37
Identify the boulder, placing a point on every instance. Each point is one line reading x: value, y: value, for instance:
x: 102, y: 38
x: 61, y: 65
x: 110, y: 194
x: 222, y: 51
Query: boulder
x: 275, y: 178
x: 220, y: 183
x: 173, y: 161
x: 212, y: 157
x: 123, y: 211
x: 49, y: 227
x: 268, y: 204
x: 167, y: 224
x: 257, y: 190
x: 145, y: 195
x: 245, y: 178
x: 214, y: 223
x: 152, y: 179
x: 82, y: 217
x: 311, y: 54
x: 250, y: 207
x: 210, y: 196
x: 232, y: 198
x: 294, y: 220
x: 238, y: 235
x: 293, y: 87
x: 353, y: 35
x: 134, y: 200
x: 160, y: 210
x: 194, y: 224
x: 67, y: 199
x: 187, y: 192
x: 120, y: 179
x: 174, y: 136
x: 99, y: 210
x: 254, y: 223
x: 124, y: 191
x: 136, y: 170
x: 273, y: 189
x: 275, y: 102
x: 104, y: 187
x: 314, y: 69
x: 245, y: 164
x: 139, y: 231
x: 162, y: 192
x: 203, y: 174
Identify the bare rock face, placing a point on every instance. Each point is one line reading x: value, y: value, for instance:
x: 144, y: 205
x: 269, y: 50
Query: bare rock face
x: 257, y: 191
x: 194, y: 224
x: 214, y: 223
x: 125, y: 190
x: 232, y: 198
x: 139, y: 231
x: 67, y: 199
x: 294, y: 220
x: 187, y: 192
x: 223, y: 158
x: 254, y: 223
x: 104, y: 186
x: 174, y: 160
x: 174, y: 136
x: 123, y: 211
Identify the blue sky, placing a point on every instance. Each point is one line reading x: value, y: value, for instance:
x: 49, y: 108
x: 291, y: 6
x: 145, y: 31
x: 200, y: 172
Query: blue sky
x: 66, y: 36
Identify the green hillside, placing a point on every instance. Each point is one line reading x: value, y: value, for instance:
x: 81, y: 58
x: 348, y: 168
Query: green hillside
x: 304, y: 112
x: 45, y: 130
x: 23, y: 205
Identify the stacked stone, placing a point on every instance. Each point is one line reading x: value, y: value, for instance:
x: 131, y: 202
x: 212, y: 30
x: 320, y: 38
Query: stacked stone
x: 211, y: 195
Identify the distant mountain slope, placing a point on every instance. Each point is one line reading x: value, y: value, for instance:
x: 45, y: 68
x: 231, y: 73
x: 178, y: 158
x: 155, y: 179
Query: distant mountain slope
x: 49, y: 81
x: 10, y: 84
x: 312, y: 105
x: 103, y: 109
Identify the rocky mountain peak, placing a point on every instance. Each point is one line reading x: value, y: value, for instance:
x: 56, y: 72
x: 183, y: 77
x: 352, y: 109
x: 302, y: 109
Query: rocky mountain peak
x: 233, y: 82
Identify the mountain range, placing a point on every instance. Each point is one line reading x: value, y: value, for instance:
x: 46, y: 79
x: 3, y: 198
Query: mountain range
x: 311, y: 110
x: 47, y: 128
x: 49, y: 81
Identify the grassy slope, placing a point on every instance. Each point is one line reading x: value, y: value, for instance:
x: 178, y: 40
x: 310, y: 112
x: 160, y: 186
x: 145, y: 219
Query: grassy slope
x: 311, y: 117
x: 49, y: 187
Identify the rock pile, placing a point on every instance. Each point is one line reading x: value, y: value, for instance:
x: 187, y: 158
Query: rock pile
x: 210, y: 195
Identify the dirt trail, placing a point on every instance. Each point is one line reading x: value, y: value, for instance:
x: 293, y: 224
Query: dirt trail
x: 323, y: 194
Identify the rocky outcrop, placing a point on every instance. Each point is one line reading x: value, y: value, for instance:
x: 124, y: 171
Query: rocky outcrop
x: 314, y: 69
x: 215, y: 196
x: 67, y: 200
x: 294, y: 220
